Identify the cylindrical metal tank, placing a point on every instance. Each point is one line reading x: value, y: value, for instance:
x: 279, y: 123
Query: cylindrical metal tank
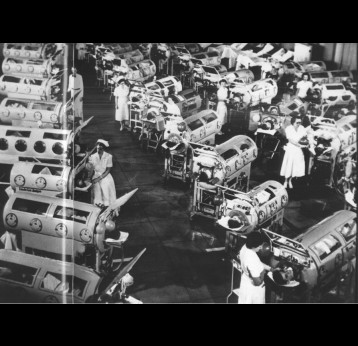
x: 29, y: 51
x: 34, y: 142
x: 39, y: 177
x: 258, y: 205
x: 31, y: 68
x: 141, y: 71
x: 32, y: 113
x: 25, y: 211
x: 225, y: 161
x: 19, y: 87
x: 197, y: 128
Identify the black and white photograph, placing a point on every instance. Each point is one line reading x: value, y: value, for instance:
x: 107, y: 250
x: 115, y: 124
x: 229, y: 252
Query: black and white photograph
x: 178, y: 173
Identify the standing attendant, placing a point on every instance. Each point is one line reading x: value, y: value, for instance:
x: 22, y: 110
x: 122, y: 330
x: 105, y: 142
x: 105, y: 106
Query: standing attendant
x: 286, y: 82
x: 304, y: 86
x: 222, y: 95
x: 121, y: 93
x: 293, y: 164
x: 75, y: 87
x: 252, y: 285
x: 104, y: 190
x: 306, y: 123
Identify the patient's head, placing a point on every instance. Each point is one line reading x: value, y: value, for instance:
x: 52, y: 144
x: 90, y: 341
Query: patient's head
x: 234, y: 222
x: 203, y: 177
x: 283, y: 276
x: 244, y: 147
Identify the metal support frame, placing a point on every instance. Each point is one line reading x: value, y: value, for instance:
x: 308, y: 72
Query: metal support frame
x: 235, y: 265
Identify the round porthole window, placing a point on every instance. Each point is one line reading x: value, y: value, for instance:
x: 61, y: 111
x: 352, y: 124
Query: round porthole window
x: 5, y: 112
x: 40, y: 147
x: 261, y: 216
x: 58, y: 148
x: 19, y: 180
x: 4, y: 144
x: 11, y: 220
x: 37, y: 115
x: 36, y: 225
x: 20, y: 145
x: 31, y: 69
x: 6, y: 67
x: 40, y: 183
x: 61, y: 230
x: 54, y: 117
x: 18, y: 68
x: 86, y: 235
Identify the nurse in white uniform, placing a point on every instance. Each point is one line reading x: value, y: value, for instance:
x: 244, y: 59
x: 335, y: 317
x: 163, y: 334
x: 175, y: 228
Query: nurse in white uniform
x: 252, y: 286
x: 222, y: 95
x: 293, y: 164
x: 75, y: 86
x: 121, y: 93
x: 304, y: 86
x: 104, y: 190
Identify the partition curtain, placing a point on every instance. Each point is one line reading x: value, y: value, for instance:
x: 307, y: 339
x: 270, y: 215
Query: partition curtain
x: 347, y: 56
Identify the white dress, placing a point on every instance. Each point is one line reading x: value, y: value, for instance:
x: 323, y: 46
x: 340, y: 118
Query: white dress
x: 221, y: 108
x: 303, y: 87
x: 75, y: 86
x: 104, y: 192
x: 251, y: 267
x: 293, y: 164
x: 122, y: 112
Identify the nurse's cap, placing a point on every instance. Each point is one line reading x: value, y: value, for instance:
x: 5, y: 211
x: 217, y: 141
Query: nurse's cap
x: 105, y: 143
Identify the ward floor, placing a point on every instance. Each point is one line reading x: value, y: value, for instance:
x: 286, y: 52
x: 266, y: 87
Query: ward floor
x: 180, y: 264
